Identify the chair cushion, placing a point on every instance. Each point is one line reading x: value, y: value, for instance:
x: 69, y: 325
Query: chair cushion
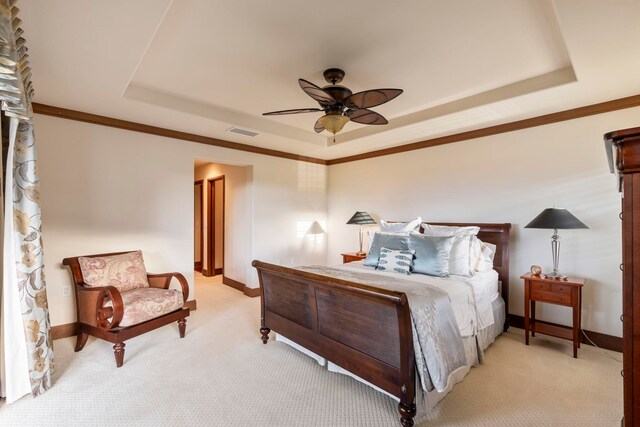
x: 125, y: 271
x: 144, y: 304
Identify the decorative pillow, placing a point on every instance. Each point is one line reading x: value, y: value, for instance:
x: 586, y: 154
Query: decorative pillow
x: 475, y: 250
x: 487, y: 251
x: 460, y: 259
x: 393, y: 260
x: 399, y: 227
x: 432, y: 253
x: 387, y: 240
x: 125, y: 271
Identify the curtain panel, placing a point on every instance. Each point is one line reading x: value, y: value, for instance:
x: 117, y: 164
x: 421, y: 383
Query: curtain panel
x: 26, y: 350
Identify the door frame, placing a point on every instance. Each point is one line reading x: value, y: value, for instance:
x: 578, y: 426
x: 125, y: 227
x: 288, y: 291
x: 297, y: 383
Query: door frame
x: 211, y: 270
x: 197, y: 265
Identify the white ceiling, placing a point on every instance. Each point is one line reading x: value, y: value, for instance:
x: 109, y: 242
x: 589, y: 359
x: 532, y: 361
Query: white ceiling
x: 202, y: 66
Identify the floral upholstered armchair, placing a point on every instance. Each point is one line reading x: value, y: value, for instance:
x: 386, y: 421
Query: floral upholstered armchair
x: 117, y: 299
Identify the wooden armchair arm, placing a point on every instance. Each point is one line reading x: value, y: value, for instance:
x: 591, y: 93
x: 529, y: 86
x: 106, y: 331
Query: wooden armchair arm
x: 91, y: 310
x: 163, y: 280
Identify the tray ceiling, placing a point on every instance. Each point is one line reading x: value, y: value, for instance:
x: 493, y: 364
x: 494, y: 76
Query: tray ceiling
x: 202, y: 67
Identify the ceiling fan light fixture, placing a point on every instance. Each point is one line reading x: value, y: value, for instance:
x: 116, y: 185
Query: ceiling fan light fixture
x: 340, y: 104
x: 333, y: 122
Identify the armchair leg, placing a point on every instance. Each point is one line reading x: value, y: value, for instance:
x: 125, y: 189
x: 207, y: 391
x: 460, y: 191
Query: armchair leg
x: 118, y: 352
x: 182, y: 327
x: 81, y: 340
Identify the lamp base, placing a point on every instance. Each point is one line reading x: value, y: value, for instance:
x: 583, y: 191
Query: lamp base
x: 555, y: 275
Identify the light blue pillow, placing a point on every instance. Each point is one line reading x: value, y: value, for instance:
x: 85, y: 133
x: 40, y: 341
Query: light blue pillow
x: 432, y: 254
x: 388, y: 240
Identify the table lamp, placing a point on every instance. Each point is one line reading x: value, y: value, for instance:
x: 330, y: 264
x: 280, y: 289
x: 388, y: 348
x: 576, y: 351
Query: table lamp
x: 556, y: 219
x: 361, y: 218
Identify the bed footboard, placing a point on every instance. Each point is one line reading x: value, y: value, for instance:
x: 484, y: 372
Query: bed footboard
x: 360, y: 328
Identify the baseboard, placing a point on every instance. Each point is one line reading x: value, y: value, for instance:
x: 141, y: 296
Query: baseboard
x: 64, y: 331
x: 605, y: 341
x: 233, y: 283
x: 217, y: 271
x: 191, y: 304
x: 250, y: 292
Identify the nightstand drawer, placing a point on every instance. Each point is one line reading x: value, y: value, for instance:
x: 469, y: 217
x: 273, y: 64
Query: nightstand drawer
x: 551, y: 287
x: 550, y: 296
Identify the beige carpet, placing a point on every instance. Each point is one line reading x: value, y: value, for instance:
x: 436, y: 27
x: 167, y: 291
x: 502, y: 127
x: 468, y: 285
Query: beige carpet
x: 220, y: 374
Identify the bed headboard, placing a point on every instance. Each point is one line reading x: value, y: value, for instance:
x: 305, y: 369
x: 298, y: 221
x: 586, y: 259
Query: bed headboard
x: 497, y: 234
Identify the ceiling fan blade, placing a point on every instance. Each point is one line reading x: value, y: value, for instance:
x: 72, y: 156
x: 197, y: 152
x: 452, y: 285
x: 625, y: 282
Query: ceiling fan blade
x: 318, y: 127
x: 366, y: 117
x: 372, y: 98
x: 316, y: 92
x: 294, y: 111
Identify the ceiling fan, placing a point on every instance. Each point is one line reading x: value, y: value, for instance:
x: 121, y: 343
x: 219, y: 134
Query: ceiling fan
x: 340, y: 104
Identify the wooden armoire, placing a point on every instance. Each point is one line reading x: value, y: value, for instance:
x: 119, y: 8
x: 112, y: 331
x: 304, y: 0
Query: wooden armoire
x: 623, y: 151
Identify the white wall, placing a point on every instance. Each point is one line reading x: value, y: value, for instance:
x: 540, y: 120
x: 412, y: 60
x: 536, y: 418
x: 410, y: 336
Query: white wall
x: 510, y: 177
x: 238, y: 225
x: 106, y: 189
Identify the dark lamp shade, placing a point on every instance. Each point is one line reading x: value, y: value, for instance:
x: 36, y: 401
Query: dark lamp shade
x: 361, y: 218
x: 556, y: 218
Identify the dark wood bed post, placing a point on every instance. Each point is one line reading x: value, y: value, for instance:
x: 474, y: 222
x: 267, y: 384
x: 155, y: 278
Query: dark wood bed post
x: 264, y: 331
x: 407, y: 406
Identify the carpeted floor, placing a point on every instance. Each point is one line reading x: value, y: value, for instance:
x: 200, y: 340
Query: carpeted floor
x: 220, y: 374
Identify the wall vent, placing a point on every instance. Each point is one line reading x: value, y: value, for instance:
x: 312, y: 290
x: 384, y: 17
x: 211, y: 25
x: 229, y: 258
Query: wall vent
x: 241, y: 131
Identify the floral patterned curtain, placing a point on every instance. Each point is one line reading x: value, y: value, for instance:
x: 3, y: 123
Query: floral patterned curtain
x: 26, y: 351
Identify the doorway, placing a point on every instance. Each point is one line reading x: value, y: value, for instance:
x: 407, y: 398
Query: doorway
x: 216, y: 225
x: 198, y: 230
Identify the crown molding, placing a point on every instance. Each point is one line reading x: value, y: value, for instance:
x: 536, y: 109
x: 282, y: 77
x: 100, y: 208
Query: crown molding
x: 575, y: 113
x: 64, y: 113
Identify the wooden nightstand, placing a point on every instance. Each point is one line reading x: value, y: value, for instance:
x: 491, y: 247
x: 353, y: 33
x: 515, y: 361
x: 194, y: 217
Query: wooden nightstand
x: 350, y: 257
x: 566, y: 292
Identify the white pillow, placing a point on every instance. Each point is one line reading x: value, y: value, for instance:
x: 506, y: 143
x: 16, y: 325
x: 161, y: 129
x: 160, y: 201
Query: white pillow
x: 486, y: 253
x: 475, y: 251
x: 400, y: 227
x: 461, y: 257
x: 449, y: 230
x: 395, y: 261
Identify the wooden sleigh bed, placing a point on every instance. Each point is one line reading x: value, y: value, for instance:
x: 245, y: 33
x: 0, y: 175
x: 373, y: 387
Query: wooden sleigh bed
x: 363, y: 329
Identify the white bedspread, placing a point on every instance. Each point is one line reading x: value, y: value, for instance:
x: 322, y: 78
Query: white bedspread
x: 470, y: 297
